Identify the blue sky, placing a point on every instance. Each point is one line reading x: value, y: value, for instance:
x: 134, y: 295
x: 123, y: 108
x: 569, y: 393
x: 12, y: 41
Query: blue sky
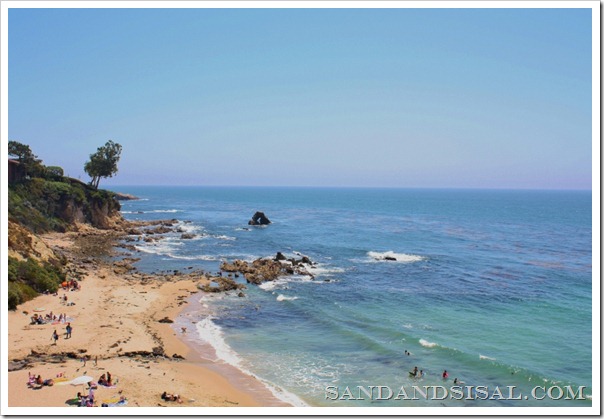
x: 463, y: 98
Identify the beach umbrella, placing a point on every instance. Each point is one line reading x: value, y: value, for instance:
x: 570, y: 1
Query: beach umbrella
x: 84, y: 379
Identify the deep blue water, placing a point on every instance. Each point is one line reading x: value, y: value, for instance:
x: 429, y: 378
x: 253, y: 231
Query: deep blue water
x: 493, y: 286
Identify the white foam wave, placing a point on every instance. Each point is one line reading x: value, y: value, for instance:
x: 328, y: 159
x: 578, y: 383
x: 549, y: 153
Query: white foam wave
x: 157, y: 248
x: 169, y: 211
x: 269, y: 285
x: 391, y: 256
x: 319, y: 270
x: 189, y: 228
x: 486, y: 357
x: 196, y: 257
x: 284, y: 281
x: 212, y: 334
x: 408, y: 326
x: 427, y: 344
x: 282, y: 297
x: 223, y: 237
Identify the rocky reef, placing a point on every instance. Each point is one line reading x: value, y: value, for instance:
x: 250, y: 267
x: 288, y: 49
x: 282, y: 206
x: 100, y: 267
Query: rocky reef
x: 267, y: 269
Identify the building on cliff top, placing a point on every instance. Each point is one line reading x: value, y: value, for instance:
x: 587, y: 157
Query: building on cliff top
x: 16, y: 172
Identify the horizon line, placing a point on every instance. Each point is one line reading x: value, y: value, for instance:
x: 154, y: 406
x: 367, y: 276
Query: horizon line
x: 356, y: 187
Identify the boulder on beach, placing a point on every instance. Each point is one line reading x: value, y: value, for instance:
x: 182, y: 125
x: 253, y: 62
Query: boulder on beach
x: 259, y: 219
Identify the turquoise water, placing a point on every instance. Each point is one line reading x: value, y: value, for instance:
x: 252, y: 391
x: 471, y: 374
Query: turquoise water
x: 493, y: 286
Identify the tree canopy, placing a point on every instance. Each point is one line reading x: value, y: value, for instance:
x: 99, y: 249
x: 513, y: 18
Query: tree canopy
x: 103, y: 163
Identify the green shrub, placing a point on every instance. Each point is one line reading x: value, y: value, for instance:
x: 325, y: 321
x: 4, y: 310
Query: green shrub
x: 14, y: 296
x: 19, y: 293
x: 54, y: 172
x: 28, y: 278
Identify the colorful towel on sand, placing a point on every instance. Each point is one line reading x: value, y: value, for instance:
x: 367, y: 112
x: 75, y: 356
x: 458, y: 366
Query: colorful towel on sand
x: 115, y: 402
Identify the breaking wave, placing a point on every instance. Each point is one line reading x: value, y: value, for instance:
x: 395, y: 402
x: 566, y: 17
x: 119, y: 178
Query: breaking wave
x: 391, y: 256
x: 427, y: 344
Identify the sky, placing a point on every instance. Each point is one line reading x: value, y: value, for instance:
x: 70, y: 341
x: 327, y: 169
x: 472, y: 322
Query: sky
x: 401, y: 97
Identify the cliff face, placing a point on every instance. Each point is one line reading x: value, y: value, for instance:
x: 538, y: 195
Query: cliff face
x: 22, y: 244
x: 102, y: 214
x: 43, y: 205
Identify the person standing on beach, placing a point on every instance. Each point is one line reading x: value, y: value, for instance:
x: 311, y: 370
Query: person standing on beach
x: 55, y: 336
x: 68, y: 330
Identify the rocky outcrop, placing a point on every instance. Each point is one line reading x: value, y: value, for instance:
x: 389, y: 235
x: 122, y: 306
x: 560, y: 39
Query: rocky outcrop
x: 263, y: 270
x: 125, y: 197
x: 259, y: 219
x: 221, y: 284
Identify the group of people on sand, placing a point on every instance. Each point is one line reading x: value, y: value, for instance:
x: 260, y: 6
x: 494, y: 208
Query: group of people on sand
x: 48, y: 318
x: 36, y: 382
x: 106, y: 380
x: 72, y: 285
x: 86, y: 400
x: 68, y: 330
x: 64, y: 299
x: 171, y: 397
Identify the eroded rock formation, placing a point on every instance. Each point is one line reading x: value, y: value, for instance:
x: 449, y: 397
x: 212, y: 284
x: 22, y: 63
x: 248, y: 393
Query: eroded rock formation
x: 263, y: 270
x: 259, y: 219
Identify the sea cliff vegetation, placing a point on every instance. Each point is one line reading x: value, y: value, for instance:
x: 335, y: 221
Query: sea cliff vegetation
x: 40, y: 200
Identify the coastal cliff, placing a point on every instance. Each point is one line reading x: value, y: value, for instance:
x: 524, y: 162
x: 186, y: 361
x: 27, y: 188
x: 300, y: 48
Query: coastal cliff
x: 44, y: 205
x: 37, y: 206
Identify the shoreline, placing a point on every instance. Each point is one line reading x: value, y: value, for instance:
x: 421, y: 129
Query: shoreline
x: 116, y: 320
x: 207, y: 354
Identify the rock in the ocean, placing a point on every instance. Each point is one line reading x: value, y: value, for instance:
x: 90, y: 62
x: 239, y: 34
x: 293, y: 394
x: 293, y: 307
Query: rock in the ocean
x: 125, y: 197
x: 259, y: 219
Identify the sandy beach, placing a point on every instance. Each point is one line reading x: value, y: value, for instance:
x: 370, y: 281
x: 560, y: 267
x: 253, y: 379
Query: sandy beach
x: 116, y: 328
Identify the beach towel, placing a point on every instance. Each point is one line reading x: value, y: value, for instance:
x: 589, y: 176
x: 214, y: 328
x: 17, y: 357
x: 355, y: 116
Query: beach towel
x: 61, y: 381
x: 115, y: 402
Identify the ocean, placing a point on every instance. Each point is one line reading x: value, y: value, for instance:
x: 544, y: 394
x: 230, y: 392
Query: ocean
x: 493, y: 286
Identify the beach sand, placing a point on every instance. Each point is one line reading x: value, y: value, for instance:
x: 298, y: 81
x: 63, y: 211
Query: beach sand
x: 116, y: 315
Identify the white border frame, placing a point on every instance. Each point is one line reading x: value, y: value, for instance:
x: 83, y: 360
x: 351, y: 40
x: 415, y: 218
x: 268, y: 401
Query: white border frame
x: 595, y: 409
